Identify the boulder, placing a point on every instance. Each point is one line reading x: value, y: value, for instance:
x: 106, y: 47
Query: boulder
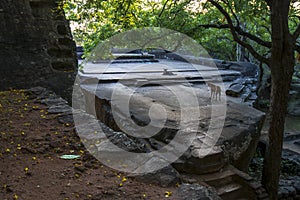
x: 192, y: 163
x: 236, y: 144
x: 167, y: 176
x: 54, y: 109
x: 241, y: 133
x: 197, y: 192
x: 54, y: 101
x: 235, y: 90
x: 246, y: 68
x: 65, y: 119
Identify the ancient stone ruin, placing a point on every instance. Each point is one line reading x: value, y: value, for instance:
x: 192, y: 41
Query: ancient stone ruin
x: 36, y: 45
x: 37, y: 49
x: 222, y: 168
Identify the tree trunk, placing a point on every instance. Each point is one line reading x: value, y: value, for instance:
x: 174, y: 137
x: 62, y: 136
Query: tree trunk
x: 282, y: 67
x: 279, y: 97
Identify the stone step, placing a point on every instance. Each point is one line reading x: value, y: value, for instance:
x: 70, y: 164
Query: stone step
x: 191, y: 162
x: 252, y: 187
x: 231, y: 183
x: 230, y: 191
x: 218, y: 179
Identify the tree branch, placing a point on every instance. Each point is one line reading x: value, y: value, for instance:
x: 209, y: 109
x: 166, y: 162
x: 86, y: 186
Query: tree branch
x: 163, y: 8
x: 233, y: 13
x: 267, y: 28
x: 240, y: 32
x: 296, y: 33
x: 128, y: 6
x: 182, y: 5
x: 236, y: 36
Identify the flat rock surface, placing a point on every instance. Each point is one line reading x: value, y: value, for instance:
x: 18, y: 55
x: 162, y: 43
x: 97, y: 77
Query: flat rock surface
x: 153, y: 71
x: 139, y: 102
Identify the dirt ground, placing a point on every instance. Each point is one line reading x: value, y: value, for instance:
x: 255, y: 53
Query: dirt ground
x: 31, y: 143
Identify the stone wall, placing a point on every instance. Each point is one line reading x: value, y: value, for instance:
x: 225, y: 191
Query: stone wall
x: 36, y: 46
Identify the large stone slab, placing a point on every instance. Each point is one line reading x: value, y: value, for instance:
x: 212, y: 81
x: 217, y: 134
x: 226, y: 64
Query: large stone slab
x: 128, y: 102
x: 154, y: 71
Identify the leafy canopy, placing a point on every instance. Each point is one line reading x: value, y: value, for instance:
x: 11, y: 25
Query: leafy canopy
x: 96, y: 20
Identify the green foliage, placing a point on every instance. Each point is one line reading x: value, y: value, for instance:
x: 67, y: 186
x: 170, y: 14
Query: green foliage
x: 97, y: 20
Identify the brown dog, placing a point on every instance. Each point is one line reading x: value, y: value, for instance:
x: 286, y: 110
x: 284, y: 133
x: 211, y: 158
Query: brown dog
x: 215, y: 91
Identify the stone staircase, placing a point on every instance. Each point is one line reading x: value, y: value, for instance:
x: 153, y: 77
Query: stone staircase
x: 212, y: 162
x: 230, y: 184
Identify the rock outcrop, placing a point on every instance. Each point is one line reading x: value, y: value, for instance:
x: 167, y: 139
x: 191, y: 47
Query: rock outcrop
x: 196, y: 192
x: 127, y: 107
x: 36, y: 45
x: 236, y: 145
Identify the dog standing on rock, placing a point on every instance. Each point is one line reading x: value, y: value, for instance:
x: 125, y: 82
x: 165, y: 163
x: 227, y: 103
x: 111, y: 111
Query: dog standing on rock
x: 215, y: 91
